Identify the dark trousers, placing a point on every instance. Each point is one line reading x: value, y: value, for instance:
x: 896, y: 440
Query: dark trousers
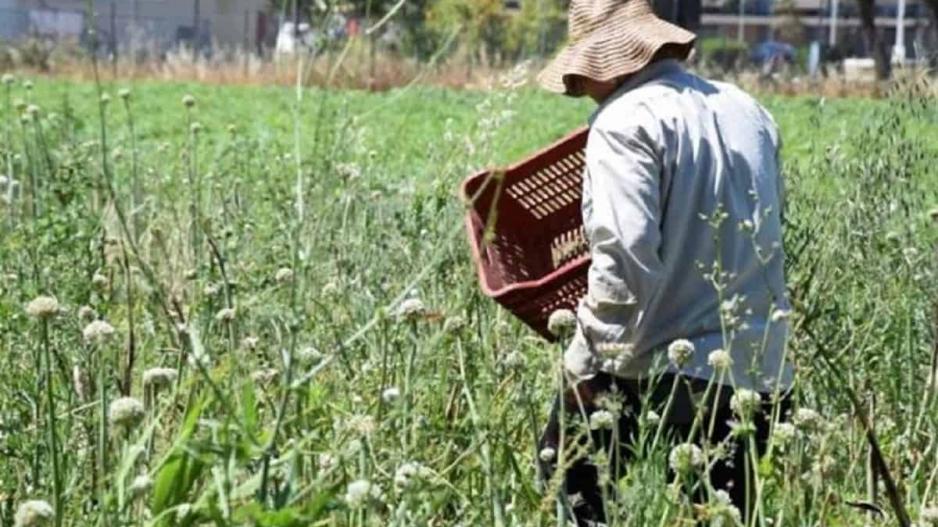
x: 581, y: 480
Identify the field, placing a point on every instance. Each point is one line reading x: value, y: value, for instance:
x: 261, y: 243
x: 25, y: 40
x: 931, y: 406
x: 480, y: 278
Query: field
x: 235, y: 260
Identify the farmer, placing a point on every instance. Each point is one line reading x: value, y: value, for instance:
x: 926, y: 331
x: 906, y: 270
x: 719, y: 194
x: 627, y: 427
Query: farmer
x: 682, y: 206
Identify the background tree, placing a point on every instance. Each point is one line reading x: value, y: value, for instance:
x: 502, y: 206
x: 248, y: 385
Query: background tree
x: 933, y: 5
x: 494, y: 32
x: 536, y: 30
x: 792, y: 29
x: 874, y: 42
x: 482, y: 25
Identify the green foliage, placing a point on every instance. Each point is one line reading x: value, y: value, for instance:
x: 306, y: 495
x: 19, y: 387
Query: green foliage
x: 537, y: 30
x: 483, y: 22
x: 725, y: 53
x: 318, y: 217
x: 792, y: 29
x: 494, y: 33
x: 175, y: 478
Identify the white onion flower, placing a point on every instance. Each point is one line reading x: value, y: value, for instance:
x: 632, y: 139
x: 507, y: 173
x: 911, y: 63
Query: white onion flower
x: 326, y: 462
x: 454, y: 324
x: 806, y: 419
x: 680, y: 351
x: 410, y: 309
x: 652, y: 417
x: 264, y: 375
x: 391, y: 394
x: 99, y: 280
x: 547, y: 454
x: 744, y: 403
x: 284, y: 275
x: 348, y: 170
x: 615, y: 351
x: 722, y: 497
x: 514, y: 360
x: 226, y: 315
x: 720, y: 360
x: 561, y: 322
x: 33, y: 513
x: 363, y: 424
x: 408, y: 473
x: 159, y: 377
x: 601, y: 420
x: 685, y: 458
x: 308, y: 355
x: 360, y: 492
x: 140, y: 486
x: 43, y: 307
x: 784, y: 433
x: 86, y: 313
x: 724, y: 512
x: 929, y: 516
x: 97, y: 331
x: 330, y: 289
x: 125, y: 412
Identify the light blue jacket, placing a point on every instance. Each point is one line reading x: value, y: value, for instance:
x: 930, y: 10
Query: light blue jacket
x: 682, y: 204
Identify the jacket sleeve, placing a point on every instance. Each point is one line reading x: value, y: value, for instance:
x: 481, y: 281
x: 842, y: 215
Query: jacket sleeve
x: 622, y: 215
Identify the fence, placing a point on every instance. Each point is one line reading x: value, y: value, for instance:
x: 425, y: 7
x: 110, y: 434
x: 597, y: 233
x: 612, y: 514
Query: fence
x: 143, y: 27
x: 151, y: 27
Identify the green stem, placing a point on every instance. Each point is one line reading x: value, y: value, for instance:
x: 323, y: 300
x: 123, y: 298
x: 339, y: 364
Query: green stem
x: 53, y: 436
x: 665, y: 413
x: 753, y: 458
x: 102, y: 432
x: 196, y: 236
x: 135, y: 191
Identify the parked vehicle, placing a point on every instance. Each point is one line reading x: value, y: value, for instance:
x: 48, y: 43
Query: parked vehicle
x: 772, y: 52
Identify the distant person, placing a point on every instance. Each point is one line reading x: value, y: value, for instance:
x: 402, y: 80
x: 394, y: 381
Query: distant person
x: 682, y: 205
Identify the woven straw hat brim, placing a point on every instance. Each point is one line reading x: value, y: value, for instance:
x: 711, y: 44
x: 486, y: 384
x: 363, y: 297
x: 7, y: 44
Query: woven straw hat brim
x: 623, y: 46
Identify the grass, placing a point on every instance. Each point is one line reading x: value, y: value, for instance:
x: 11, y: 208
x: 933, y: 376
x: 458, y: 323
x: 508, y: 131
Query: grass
x: 265, y: 258
x: 419, y: 116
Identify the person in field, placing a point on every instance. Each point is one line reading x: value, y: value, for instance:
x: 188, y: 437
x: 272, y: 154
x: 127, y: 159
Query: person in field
x: 682, y: 208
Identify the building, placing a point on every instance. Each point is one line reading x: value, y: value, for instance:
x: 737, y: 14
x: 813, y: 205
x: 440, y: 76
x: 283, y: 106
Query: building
x: 142, y: 24
x: 884, y: 8
x: 154, y: 26
x: 835, y: 23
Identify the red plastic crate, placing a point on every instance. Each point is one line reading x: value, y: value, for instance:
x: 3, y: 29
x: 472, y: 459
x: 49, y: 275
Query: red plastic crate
x: 526, y: 230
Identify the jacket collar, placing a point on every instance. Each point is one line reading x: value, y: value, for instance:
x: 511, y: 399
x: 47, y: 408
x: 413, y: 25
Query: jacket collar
x: 653, y: 71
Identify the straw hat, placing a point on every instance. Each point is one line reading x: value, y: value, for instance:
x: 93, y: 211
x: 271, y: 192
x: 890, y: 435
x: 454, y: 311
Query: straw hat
x: 610, y: 39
